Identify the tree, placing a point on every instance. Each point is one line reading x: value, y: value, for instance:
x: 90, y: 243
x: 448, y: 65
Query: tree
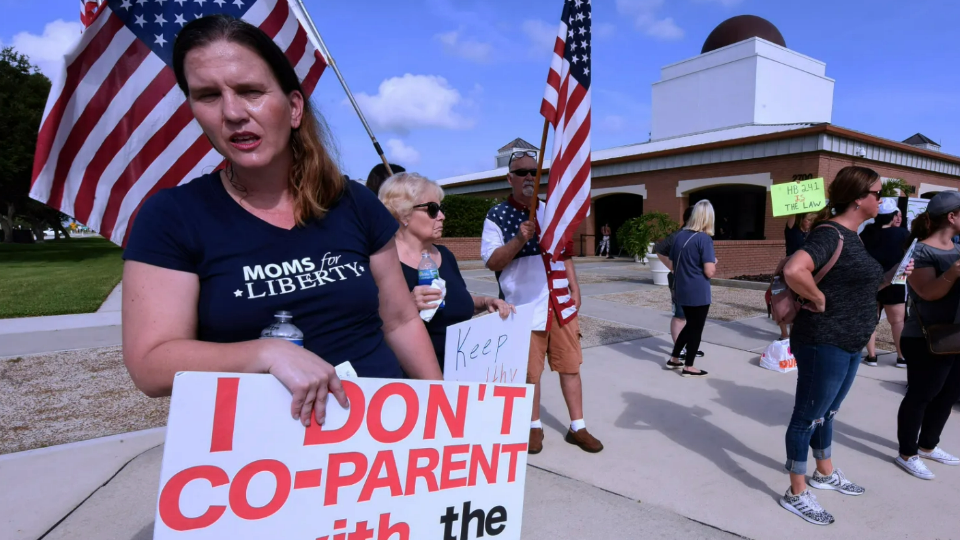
x: 23, y: 96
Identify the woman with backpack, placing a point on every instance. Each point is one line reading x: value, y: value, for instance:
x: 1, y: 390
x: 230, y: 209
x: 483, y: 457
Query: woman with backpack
x: 828, y: 333
x: 694, y: 263
x: 934, y: 374
x: 884, y: 240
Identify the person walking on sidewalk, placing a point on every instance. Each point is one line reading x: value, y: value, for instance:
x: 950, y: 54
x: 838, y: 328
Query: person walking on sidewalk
x: 933, y: 380
x: 605, y: 232
x: 510, y: 246
x: 828, y: 334
x: 884, y: 240
x: 694, y: 264
x: 662, y: 251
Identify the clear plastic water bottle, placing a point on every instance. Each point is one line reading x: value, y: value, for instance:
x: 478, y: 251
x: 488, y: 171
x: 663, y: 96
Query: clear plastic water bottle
x: 427, y: 271
x: 778, y: 286
x: 282, y: 328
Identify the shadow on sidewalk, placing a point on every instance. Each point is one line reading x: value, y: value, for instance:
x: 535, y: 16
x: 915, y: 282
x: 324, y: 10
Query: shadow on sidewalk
x: 774, y: 407
x: 687, y: 427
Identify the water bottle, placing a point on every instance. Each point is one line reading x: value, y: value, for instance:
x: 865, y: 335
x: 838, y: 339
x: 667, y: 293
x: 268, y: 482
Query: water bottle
x: 778, y: 286
x: 282, y: 328
x: 427, y: 271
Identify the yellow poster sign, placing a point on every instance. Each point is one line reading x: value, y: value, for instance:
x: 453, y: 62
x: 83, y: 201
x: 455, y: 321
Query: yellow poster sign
x: 797, y: 197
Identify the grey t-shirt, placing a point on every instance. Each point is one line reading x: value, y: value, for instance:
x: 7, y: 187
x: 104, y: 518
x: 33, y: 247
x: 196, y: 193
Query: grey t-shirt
x: 850, y: 289
x: 939, y: 311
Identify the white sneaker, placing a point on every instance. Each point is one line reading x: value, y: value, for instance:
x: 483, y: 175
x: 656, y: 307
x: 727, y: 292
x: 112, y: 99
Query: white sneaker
x: 837, y: 482
x: 806, y: 506
x: 940, y: 456
x: 916, y: 467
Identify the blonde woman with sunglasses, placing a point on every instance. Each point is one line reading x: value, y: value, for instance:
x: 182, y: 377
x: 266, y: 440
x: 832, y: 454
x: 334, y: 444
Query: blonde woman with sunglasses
x: 415, y: 203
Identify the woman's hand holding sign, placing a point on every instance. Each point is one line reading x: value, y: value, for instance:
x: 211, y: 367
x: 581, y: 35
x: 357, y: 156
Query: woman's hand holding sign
x: 308, y: 377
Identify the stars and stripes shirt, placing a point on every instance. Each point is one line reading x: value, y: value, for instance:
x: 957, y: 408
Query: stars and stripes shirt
x: 531, y: 277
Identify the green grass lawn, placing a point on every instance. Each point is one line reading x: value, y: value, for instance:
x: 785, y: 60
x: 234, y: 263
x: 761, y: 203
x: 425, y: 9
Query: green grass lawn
x: 57, y: 277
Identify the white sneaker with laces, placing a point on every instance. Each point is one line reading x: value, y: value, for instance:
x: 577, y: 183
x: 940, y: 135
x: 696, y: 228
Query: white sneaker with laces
x: 916, y: 467
x: 806, y: 506
x: 940, y: 456
x: 837, y: 482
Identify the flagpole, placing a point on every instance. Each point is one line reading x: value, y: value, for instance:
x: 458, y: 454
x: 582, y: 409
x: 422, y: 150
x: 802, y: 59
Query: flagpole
x: 536, y: 184
x: 311, y: 27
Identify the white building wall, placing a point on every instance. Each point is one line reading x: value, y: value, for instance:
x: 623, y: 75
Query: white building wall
x: 751, y: 82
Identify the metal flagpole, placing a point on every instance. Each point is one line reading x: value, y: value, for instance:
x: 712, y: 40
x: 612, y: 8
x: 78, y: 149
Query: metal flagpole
x: 333, y: 64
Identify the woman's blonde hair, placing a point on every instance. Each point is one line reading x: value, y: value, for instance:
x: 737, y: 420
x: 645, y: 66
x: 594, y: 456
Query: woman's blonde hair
x: 402, y: 191
x: 315, y: 179
x: 702, y: 218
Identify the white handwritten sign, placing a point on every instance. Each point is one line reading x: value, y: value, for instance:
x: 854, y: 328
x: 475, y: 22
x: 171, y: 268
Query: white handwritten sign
x: 408, y: 460
x: 490, y: 349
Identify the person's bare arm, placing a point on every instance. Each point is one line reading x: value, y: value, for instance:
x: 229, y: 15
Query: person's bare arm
x: 572, y: 280
x: 709, y: 270
x: 504, y: 254
x: 791, y: 221
x: 928, y: 286
x: 402, y: 327
x: 666, y: 261
x: 160, y: 339
x: 798, y: 273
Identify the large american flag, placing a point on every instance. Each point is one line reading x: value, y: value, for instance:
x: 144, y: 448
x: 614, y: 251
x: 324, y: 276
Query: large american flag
x: 566, y: 105
x: 117, y: 128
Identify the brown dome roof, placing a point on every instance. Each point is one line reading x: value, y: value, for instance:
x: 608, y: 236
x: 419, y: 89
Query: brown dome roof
x: 739, y: 28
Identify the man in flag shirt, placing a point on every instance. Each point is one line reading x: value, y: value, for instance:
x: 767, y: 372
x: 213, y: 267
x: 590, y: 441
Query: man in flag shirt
x: 511, y: 247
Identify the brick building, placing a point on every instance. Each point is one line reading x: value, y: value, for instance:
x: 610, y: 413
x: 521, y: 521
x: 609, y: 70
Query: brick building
x: 727, y: 124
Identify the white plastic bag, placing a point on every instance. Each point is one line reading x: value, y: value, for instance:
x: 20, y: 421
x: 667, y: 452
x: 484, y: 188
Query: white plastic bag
x: 777, y: 357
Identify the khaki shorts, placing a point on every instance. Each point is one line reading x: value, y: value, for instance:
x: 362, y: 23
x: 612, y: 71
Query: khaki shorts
x: 561, y: 346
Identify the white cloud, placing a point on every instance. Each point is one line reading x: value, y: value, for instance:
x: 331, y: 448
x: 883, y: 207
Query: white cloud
x: 604, y: 30
x: 414, y: 102
x: 541, y: 35
x: 398, y: 152
x: 47, y: 50
x: 613, y: 122
x: 645, y: 17
x: 469, y: 49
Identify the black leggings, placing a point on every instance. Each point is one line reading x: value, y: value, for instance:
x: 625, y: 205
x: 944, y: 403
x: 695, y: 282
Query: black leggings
x: 692, y: 332
x: 934, y: 387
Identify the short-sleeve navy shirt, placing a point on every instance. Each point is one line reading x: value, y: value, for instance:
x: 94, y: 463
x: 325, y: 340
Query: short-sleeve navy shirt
x: 250, y: 269
x: 689, y: 252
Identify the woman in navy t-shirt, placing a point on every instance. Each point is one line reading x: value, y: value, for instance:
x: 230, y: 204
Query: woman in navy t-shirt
x: 210, y: 262
x: 415, y: 203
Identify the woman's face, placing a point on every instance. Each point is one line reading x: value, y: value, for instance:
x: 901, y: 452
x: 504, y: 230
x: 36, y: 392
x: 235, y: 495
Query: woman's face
x: 239, y: 104
x: 870, y: 204
x: 421, y: 225
x: 897, y: 219
x: 806, y: 223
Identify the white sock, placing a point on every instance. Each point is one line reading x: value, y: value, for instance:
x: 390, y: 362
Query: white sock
x: 577, y: 425
x: 536, y: 425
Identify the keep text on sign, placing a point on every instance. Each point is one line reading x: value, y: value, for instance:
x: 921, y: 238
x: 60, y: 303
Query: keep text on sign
x: 797, y: 197
x: 490, y: 349
x: 407, y: 460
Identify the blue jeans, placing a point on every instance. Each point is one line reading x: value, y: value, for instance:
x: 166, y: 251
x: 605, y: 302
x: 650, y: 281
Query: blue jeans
x: 824, y: 376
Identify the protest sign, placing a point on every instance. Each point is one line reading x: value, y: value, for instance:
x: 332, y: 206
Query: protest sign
x: 407, y: 460
x: 901, y: 276
x: 797, y: 197
x: 915, y: 207
x: 490, y: 349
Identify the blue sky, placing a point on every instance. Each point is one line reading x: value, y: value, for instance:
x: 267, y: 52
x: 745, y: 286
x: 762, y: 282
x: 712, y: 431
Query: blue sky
x: 447, y: 82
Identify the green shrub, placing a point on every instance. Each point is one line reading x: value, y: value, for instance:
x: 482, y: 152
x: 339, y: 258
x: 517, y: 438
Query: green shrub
x: 464, y: 215
x: 636, y: 234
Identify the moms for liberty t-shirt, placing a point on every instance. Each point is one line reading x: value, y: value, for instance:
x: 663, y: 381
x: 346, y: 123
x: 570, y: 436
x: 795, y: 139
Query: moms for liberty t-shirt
x: 250, y: 269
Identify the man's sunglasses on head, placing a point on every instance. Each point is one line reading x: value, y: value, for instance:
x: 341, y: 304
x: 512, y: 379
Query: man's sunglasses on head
x: 433, y: 209
x: 522, y: 153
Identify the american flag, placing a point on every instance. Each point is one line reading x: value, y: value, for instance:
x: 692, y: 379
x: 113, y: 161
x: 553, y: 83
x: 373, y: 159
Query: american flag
x: 566, y: 105
x: 117, y: 128
x: 88, y: 11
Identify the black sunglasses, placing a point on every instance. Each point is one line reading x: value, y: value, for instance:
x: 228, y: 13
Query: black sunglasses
x: 524, y: 172
x: 874, y: 193
x: 433, y: 209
